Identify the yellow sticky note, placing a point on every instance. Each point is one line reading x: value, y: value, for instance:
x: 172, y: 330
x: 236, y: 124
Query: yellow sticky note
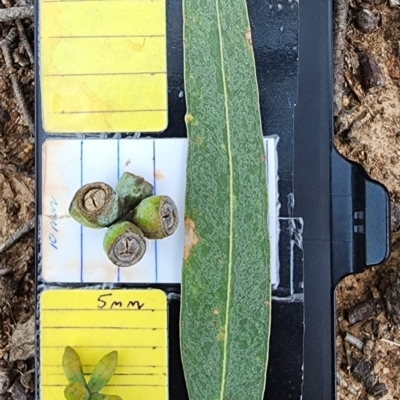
x: 103, y: 65
x: 96, y: 322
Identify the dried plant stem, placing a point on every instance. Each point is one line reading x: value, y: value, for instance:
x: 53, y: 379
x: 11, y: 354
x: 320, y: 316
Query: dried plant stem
x: 5, y: 48
x: 345, y: 384
x: 17, y: 235
x: 354, y: 341
x: 24, y: 40
x: 391, y: 342
x: 13, y: 13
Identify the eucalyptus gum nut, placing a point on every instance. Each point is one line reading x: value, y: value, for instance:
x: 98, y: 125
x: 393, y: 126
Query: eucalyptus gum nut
x: 76, y: 391
x: 95, y: 205
x: 103, y: 371
x: 97, y: 396
x: 124, y: 244
x: 132, y: 189
x: 156, y: 216
x: 72, y: 366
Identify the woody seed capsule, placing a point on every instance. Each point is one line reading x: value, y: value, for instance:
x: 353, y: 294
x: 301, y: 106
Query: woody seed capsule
x: 97, y: 396
x: 156, y: 216
x: 95, y: 205
x: 131, y: 190
x: 124, y: 244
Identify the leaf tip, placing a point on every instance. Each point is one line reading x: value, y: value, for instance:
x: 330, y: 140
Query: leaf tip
x: 70, y: 355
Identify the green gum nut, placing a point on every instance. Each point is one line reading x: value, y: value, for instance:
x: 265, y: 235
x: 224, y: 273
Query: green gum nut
x: 103, y: 372
x: 95, y: 205
x: 72, y: 366
x: 156, y: 216
x: 124, y: 244
x: 76, y: 391
x: 131, y: 190
x: 97, y: 396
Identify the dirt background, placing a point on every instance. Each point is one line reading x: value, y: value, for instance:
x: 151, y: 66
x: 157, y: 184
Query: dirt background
x: 367, y: 126
x: 16, y: 217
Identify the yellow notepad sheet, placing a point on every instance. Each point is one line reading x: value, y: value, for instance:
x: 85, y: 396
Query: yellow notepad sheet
x: 96, y: 322
x: 103, y: 65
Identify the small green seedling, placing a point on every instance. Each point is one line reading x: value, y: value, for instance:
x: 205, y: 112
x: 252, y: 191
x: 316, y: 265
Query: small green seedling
x: 78, y: 389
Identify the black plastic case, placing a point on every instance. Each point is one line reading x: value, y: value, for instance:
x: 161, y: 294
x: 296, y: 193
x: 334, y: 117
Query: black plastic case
x: 333, y: 220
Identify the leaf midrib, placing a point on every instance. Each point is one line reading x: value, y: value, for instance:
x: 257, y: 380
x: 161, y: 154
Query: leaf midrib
x: 228, y: 135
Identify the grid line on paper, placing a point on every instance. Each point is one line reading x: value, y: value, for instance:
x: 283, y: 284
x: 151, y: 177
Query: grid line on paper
x: 104, y: 36
x: 113, y: 74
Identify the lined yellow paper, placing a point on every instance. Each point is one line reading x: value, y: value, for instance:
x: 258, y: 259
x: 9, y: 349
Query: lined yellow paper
x: 96, y: 322
x: 103, y: 65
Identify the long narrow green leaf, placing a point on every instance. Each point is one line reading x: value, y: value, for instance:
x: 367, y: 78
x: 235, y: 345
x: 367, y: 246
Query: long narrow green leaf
x: 225, y: 305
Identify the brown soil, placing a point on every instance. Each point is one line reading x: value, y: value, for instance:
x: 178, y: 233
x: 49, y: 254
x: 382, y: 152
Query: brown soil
x: 368, y: 132
x: 16, y: 215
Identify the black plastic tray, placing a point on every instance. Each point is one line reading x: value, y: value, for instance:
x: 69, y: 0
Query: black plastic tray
x: 333, y: 220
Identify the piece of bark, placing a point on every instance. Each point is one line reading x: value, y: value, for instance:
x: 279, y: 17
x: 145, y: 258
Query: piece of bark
x: 394, y: 216
x: 13, y: 13
x: 363, y: 310
x: 362, y: 370
x: 378, y: 391
x: 341, y: 11
x: 390, y: 290
x: 374, y: 2
x: 366, y: 21
x: 371, y: 74
x: 4, y: 117
x: 354, y: 341
x: 28, y: 380
x: 5, y: 380
x: 24, y: 40
x: 17, y: 391
x: 23, y: 341
x: 17, y: 235
x: 5, y: 47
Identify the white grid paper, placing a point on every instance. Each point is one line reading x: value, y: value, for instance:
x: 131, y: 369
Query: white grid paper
x: 72, y: 253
